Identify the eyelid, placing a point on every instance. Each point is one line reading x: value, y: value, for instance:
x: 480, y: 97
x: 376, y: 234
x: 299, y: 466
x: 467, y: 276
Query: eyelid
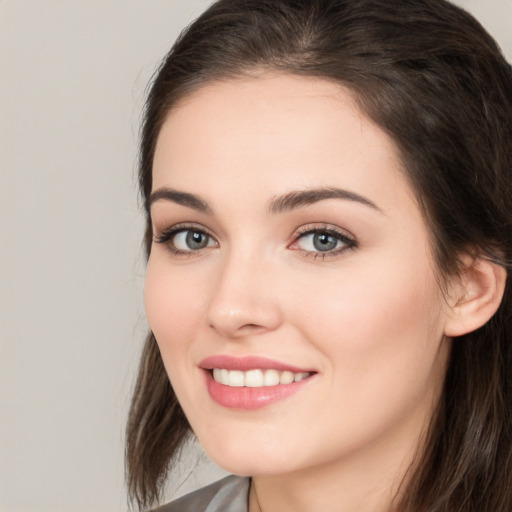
x: 349, y: 240
x: 165, y: 236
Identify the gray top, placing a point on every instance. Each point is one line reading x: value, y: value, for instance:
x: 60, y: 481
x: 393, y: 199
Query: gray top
x: 231, y: 494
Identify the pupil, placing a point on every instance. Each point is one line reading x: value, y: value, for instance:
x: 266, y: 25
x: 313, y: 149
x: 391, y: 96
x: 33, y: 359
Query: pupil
x: 324, y: 242
x: 196, y: 240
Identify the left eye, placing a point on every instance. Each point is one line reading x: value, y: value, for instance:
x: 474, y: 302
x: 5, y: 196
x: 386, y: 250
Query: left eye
x: 191, y: 240
x: 322, y: 241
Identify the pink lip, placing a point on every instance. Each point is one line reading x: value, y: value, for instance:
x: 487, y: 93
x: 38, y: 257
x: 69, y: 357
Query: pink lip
x: 248, y: 363
x: 244, y: 397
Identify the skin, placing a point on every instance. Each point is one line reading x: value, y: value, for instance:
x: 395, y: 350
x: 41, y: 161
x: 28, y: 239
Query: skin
x: 369, y: 319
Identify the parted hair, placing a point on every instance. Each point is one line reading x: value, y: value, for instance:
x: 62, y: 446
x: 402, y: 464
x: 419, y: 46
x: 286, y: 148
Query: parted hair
x: 428, y: 74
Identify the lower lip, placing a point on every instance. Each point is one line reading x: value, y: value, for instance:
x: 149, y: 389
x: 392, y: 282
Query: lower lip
x: 250, y: 398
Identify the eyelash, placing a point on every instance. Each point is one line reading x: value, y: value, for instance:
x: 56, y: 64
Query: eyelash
x: 168, y: 234
x: 349, y: 243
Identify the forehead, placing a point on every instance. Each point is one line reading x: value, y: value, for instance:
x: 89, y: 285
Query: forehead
x: 272, y: 133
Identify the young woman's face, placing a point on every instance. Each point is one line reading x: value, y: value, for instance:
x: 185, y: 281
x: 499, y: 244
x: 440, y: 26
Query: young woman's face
x: 288, y: 246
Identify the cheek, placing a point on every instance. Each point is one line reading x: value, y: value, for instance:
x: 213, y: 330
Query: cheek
x: 380, y: 338
x: 379, y: 330
x: 173, y: 305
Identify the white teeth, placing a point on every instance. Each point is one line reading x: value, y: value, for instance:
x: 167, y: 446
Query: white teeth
x: 300, y: 376
x: 286, y: 378
x: 256, y: 378
x: 271, y: 378
x: 236, y: 379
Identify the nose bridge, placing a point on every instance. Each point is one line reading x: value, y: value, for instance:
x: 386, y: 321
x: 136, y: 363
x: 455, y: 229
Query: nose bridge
x: 242, y: 299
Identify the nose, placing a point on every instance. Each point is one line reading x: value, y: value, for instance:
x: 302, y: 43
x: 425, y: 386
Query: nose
x: 244, y: 300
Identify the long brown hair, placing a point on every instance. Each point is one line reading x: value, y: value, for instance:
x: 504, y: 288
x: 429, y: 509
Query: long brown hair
x: 430, y: 76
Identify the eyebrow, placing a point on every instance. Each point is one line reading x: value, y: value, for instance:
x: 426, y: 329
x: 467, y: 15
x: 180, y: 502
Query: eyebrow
x: 279, y: 204
x: 296, y: 199
x: 183, y: 198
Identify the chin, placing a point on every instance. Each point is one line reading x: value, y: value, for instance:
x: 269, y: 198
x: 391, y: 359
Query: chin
x: 249, y: 456
x: 243, y: 467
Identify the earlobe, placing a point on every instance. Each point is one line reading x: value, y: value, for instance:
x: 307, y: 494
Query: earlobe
x: 476, y: 296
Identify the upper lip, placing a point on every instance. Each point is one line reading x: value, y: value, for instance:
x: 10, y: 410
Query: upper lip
x: 246, y: 363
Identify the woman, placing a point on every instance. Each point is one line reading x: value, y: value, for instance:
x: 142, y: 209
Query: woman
x: 327, y: 186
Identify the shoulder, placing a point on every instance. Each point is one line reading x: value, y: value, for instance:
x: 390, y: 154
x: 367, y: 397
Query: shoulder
x: 227, y: 495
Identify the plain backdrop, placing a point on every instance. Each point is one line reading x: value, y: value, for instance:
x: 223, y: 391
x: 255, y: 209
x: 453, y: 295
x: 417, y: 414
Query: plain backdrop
x: 72, y: 80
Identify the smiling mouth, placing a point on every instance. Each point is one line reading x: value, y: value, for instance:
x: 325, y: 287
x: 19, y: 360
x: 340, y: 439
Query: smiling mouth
x: 252, y: 382
x: 256, y: 378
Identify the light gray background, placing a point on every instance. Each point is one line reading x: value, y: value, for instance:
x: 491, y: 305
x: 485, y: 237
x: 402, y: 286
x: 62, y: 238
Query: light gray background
x: 73, y: 74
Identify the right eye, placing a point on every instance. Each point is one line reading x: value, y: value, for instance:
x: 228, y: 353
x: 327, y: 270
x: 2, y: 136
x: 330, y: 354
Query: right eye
x: 186, y: 240
x: 191, y: 240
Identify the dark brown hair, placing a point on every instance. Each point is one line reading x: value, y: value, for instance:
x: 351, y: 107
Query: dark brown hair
x: 430, y: 76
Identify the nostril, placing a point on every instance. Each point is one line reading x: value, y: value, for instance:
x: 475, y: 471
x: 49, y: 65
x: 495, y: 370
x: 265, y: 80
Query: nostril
x: 251, y: 328
x: 244, y: 327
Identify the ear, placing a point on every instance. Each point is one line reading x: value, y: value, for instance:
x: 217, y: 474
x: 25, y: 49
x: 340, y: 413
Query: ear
x: 475, y: 296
